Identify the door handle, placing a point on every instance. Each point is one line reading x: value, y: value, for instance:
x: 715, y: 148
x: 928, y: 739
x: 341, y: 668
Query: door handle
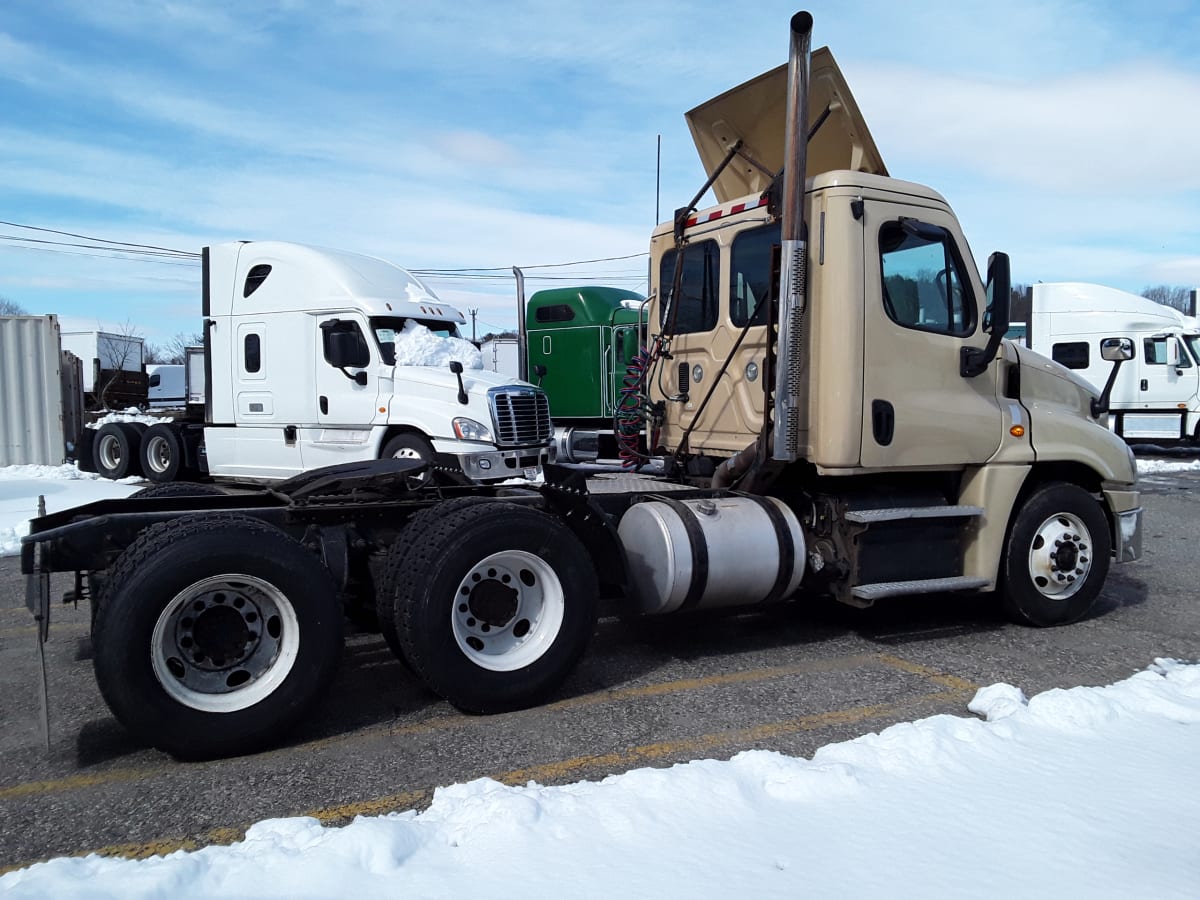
x: 1145, y: 386
x: 324, y: 405
x: 883, y: 422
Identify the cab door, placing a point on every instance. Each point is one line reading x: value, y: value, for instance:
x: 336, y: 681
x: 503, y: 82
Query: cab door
x: 347, y: 397
x: 923, y: 304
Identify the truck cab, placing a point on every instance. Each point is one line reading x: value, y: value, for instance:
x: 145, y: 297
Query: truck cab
x: 877, y: 389
x: 320, y: 357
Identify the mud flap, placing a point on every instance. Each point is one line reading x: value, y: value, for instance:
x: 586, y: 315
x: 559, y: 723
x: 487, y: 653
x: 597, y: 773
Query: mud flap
x: 37, y: 600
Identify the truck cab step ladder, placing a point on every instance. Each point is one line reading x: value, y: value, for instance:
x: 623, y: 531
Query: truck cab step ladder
x: 900, y: 513
x: 872, y: 592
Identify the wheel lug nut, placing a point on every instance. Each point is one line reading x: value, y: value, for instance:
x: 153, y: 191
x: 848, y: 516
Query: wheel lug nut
x: 1079, y: 571
x: 1070, y: 578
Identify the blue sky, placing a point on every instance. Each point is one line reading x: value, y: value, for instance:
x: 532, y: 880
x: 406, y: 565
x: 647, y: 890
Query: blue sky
x: 482, y: 134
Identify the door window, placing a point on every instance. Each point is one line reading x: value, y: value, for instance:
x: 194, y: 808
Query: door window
x: 750, y: 274
x: 923, y: 283
x: 698, y: 288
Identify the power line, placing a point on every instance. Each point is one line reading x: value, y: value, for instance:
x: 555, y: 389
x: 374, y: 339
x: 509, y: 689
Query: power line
x: 88, y: 237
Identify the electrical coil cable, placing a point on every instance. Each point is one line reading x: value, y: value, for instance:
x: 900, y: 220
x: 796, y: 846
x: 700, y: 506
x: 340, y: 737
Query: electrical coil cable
x: 629, y: 416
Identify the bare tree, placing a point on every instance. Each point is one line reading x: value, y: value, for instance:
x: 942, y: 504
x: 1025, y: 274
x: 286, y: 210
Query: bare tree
x: 1169, y: 295
x: 10, y: 308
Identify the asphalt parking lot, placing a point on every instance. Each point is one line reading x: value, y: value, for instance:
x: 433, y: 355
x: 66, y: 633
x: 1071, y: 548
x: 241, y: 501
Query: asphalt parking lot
x: 650, y: 694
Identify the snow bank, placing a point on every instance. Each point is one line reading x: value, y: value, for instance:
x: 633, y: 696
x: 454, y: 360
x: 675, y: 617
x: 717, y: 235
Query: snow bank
x: 1148, y: 466
x: 64, y: 487
x: 1090, y: 792
x: 416, y: 345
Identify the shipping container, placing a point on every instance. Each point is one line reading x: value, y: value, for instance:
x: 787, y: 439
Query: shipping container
x: 31, y: 396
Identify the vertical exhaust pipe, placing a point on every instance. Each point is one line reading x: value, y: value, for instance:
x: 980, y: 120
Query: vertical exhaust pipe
x: 793, y: 276
x: 522, y: 334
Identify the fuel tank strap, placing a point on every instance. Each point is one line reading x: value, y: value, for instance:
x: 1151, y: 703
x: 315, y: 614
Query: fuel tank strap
x: 787, y: 549
x: 699, y: 547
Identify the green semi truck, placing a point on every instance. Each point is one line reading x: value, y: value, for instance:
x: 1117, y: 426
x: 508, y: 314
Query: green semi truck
x: 585, y: 347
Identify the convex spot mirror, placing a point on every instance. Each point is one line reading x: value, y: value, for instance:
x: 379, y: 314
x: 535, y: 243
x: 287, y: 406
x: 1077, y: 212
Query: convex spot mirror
x: 1116, y: 349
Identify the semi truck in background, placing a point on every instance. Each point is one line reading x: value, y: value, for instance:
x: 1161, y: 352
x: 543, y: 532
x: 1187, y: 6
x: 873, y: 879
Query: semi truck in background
x: 585, y: 346
x: 165, y: 386
x: 315, y: 357
x: 1156, y: 394
x: 827, y: 379
x: 114, y: 370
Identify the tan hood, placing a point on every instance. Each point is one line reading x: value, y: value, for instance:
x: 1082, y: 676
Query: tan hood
x: 756, y: 113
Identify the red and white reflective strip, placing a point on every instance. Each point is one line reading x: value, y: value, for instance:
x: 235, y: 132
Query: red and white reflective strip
x: 711, y: 215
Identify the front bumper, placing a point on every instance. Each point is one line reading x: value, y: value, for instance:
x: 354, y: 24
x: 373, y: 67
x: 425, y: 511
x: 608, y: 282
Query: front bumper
x: 499, y: 465
x: 1127, y: 524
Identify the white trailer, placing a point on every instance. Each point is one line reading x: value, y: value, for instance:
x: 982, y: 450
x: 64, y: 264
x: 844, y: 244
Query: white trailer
x: 103, y: 351
x: 317, y: 357
x: 1156, y: 395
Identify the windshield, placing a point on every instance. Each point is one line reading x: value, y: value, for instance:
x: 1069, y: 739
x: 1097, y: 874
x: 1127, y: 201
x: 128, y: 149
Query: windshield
x: 386, y: 329
x: 1193, y: 343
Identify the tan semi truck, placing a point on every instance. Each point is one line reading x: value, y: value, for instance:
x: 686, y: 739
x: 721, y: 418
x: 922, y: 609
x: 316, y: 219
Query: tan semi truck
x: 840, y: 415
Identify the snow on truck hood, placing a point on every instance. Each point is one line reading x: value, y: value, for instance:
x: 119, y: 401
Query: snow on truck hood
x: 756, y: 113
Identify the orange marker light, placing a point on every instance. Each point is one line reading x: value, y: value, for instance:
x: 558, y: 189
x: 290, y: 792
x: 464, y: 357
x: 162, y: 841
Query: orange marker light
x: 1017, y: 431
x: 383, y: 409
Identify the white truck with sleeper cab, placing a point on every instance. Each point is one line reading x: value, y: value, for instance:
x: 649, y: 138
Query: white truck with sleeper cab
x: 315, y: 357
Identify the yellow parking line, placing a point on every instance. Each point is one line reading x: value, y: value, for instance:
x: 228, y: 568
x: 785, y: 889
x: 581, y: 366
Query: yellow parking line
x: 580, y: 766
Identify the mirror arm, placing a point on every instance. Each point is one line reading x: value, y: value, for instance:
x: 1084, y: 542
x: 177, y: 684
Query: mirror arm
x: 1100, y: 404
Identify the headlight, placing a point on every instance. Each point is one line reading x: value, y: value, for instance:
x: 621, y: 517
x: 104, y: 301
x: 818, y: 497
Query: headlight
x: 470, y: 430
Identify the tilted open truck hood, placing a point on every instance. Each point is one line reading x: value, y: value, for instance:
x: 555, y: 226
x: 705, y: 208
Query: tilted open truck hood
x: 756, y: 113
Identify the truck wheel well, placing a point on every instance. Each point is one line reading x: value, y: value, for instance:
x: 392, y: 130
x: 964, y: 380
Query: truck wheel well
x: 395, y: 431
x: 1064, y: 471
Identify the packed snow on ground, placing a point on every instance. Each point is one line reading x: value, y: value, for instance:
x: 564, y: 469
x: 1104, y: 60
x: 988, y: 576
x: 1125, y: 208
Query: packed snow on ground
x: 1089, y: 792
x: 416, y: 345
x: 63, y: 487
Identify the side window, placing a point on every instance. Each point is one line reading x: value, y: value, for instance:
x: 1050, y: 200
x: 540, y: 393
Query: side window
x: 252, y: 353
x: 1158, y: 352
x: 698, y: 289
x: 343, y: 344
x: 254, y: 278
x: 750, y: 274
x: 558, y: 312
x: 1073, y: 355
x: 923, y: 281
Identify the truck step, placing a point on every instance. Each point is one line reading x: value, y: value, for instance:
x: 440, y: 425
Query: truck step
x: 899, y: 513
x: 920, y: 586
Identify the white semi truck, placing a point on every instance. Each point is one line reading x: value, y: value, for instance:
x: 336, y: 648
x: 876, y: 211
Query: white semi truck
x: 1156, y: 395
x: 830, y: 384
x: 316, y: 357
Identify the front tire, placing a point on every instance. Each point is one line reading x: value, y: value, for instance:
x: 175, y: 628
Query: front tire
x: 495, y: 607
x: 411, y: 446
x: 215, y: 634
x: 1056, y: 556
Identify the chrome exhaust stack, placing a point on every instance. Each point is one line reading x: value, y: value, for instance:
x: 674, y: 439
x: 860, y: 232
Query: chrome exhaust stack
x: 793, y: 276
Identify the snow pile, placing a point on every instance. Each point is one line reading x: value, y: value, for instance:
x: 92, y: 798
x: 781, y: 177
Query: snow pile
x: 1149, y: 466
x: 1090, y: 792
x: 416, y: 345
x: 64, y: 487
x: 132, y: 414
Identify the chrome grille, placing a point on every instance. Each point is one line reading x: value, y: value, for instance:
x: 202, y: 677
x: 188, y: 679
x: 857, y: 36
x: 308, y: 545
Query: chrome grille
x: 520, y: 416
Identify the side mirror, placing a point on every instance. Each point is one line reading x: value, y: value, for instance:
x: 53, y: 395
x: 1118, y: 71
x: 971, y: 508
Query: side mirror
x: 345, y: 350
x: 540, y: 371
x: 457, y: 368
x: 1116, y: 349
x: 999, y: 283
x: 1172, y: 352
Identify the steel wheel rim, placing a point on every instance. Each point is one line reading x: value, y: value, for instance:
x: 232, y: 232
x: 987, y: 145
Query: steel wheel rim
x: 224, y: 643
x: 508, y: 610
x: 158, y: 454
x: 110, y: 452
x: 409, y: 453
x: 1060, y: 556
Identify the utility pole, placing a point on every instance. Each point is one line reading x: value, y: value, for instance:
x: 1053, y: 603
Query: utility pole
x: 473, y: 312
